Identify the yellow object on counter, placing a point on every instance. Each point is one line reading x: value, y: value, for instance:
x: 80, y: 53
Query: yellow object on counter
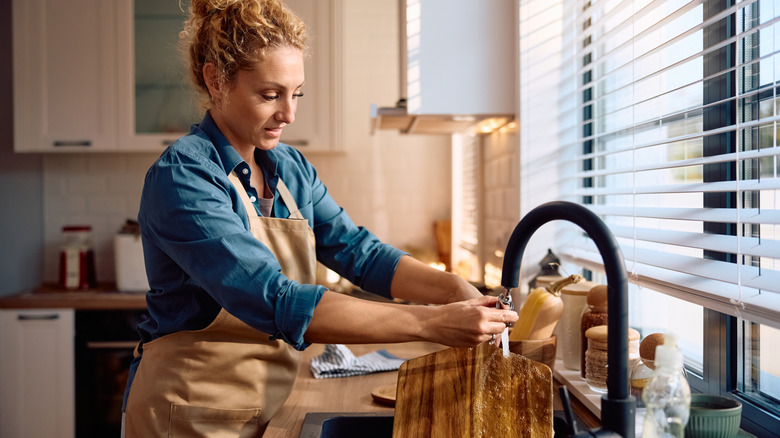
x: 541, y: 311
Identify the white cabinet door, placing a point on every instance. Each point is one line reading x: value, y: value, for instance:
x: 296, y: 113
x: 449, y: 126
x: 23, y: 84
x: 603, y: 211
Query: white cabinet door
x: 64, y: 56
x: 318, y: 122
x: 37, y: 396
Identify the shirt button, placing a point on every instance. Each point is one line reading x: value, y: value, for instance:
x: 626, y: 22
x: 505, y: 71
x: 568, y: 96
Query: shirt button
x: 245, y: 171
x: 252, y: 198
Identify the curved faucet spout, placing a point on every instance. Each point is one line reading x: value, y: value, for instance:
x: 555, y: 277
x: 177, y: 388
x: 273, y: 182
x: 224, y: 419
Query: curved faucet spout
x: 618, y: 407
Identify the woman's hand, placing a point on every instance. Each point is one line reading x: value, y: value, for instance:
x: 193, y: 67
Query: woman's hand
x: 467, y: 323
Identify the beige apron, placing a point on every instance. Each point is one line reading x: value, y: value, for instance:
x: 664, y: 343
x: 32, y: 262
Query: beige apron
x: 228, y: 379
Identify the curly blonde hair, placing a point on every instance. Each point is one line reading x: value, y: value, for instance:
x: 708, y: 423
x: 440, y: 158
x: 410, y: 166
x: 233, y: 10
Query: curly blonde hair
x: 234, y: 34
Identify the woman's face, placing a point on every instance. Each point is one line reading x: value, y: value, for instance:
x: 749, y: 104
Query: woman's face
x: 259, y: 103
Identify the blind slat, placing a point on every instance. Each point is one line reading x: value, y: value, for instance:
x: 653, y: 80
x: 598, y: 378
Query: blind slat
x: 722, y: 215
x: 751, y: 304
x: 712, y: 187
x: 675, y: 164
x: 760, y: 279
x: 749, y: 246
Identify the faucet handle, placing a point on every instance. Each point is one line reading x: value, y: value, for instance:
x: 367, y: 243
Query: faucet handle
x: 505, y: 302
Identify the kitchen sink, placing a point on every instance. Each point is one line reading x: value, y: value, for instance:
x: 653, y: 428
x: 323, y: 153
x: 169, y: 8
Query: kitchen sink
x: 379, y: 425
x: 347, y: 425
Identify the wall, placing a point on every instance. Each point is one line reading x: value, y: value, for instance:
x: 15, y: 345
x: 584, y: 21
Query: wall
x: 501, y: 190
x: 395, y: 185
x: 21, y: 229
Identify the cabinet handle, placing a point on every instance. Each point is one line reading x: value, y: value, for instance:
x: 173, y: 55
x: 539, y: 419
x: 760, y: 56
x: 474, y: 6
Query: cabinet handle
x: 44, y: 317
x: 86, y: 143
x: 109, y: 345
x: 296, y: 142
x: 167, y: 142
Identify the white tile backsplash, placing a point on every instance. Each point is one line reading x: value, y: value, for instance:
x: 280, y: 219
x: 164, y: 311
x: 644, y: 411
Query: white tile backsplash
x: 97, y: 190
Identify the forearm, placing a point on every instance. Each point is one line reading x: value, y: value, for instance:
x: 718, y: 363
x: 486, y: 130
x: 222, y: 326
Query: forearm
x: 348, y: 320
x: 417, y: 282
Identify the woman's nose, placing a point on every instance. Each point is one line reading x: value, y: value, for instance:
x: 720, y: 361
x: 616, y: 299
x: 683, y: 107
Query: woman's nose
x: 286, y: 112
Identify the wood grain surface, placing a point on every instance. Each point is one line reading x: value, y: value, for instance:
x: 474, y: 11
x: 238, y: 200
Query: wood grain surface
x: 473, y: 392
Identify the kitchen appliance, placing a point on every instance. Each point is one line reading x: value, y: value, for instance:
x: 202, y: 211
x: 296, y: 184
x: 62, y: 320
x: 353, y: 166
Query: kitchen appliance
x: 105, y: 340
x: 129, y: 259
x: 77, y: 258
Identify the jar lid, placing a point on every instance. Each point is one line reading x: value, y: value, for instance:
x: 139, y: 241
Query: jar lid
x: 578, y: 289
x: 599, y: 333
x: 597, y: 296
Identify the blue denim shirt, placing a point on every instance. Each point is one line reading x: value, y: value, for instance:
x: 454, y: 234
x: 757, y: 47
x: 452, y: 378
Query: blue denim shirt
x: 200, y: 255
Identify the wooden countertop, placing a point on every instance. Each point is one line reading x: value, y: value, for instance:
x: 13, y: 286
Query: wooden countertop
x: 345, y: 394
x: 353, y: 394
x: 103, y: 297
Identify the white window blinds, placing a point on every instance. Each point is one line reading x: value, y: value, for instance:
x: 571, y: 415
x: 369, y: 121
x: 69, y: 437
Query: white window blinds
x: 663, y: 116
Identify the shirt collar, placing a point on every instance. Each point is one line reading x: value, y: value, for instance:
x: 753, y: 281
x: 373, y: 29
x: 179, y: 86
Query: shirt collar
x: 229, y: 156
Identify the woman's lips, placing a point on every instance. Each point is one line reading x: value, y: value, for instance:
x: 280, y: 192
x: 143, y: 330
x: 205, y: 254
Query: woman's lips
x: 274, y: 132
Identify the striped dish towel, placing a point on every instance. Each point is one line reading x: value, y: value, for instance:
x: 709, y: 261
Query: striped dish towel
x: 338, y: 361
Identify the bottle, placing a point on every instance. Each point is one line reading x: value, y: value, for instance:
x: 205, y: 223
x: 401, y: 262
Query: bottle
x: 667, y: 396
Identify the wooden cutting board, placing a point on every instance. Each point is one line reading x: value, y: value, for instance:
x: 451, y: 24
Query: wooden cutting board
x: 473, y: 392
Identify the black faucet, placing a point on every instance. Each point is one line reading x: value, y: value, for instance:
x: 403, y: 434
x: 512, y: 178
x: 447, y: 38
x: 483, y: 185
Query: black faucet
x: 618, y: 406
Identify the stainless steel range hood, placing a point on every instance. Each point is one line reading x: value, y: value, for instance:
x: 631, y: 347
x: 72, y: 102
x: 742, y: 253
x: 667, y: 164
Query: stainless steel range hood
x: 457, y: 68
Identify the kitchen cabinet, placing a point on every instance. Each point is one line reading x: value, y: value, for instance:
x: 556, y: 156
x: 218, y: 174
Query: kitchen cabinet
x: 319, y: 122
x: 64, y: 56
x: 37, y: 373
x: 97, y: 75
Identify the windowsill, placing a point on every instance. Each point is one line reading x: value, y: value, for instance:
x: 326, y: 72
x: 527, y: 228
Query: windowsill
x: 592, y: 400
x: 589, y: 399
x: 578, y: 388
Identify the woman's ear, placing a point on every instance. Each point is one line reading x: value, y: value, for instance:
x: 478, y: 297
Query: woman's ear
x: 211, y: 79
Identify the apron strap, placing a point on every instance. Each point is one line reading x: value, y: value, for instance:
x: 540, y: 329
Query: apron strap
x: 288, y: 199
x: 284, y: 192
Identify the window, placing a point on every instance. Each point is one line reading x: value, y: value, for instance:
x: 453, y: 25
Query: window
x: 665, y: 119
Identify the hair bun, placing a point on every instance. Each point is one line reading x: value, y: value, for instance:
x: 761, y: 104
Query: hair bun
x: 204, y: 8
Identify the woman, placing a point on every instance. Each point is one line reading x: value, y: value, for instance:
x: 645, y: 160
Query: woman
x: 233, y: 223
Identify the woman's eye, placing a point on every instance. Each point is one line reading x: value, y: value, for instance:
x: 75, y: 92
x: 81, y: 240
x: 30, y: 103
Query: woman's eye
x: 270, y: 97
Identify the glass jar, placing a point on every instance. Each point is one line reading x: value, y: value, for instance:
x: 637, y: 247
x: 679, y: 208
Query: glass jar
x: 77, y: 258
x: 593, y: 314
x: 640, y: 375
x: 644, y: 368
x: 596, y: 356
